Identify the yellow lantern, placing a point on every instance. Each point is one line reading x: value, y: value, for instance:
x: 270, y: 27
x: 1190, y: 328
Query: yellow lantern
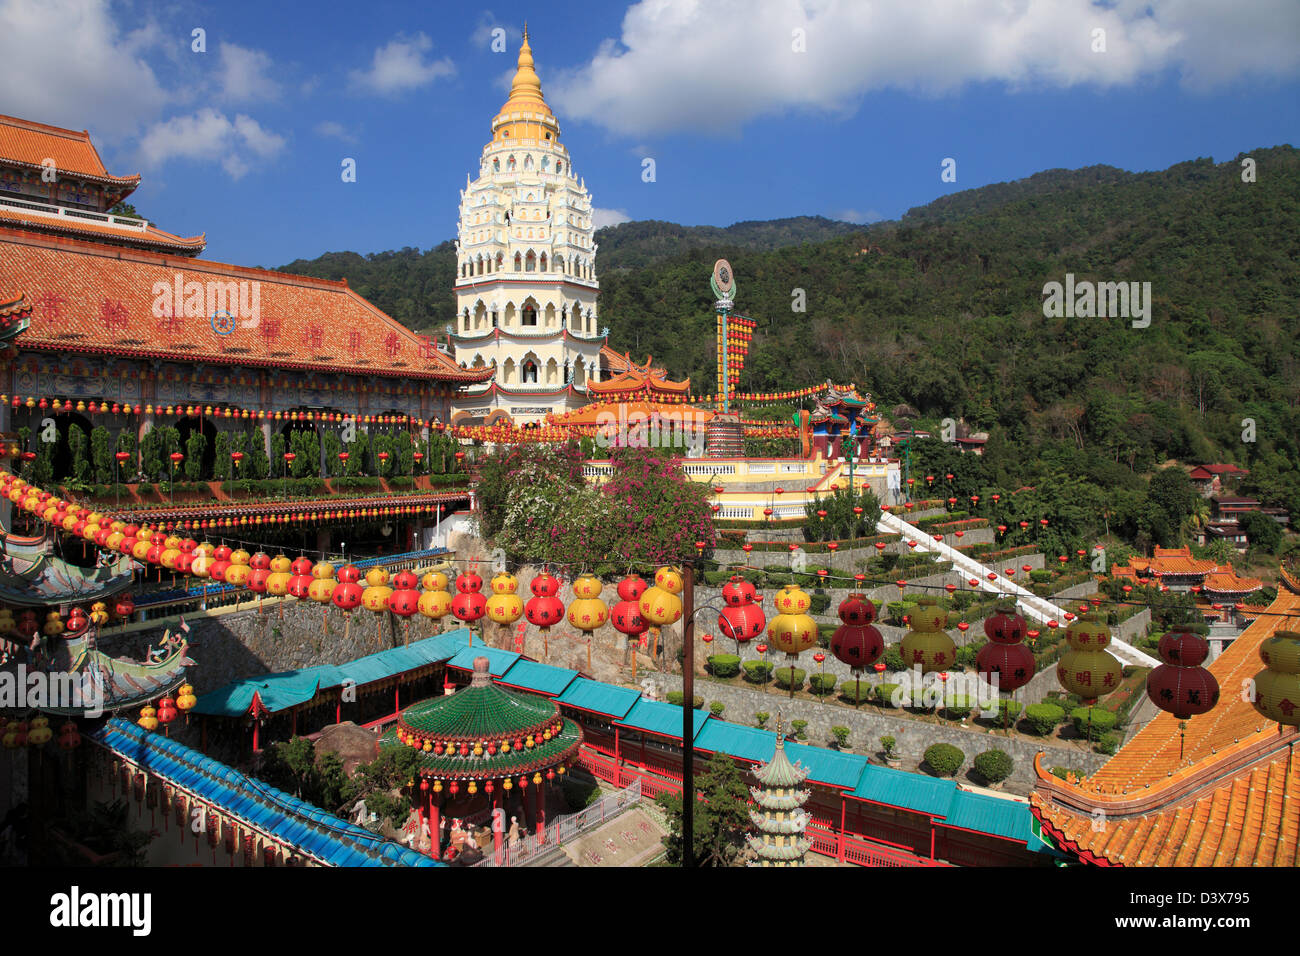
x: 1277, y: 687
x: 53, y: 625
x: 1087, y: 668
x: 434, y: 581
x: 504, y: 606
x: 375, y: 597
x: 670, y: 580
x: 926, y: 645
x: 40, y: 733
x: 792, y: 599
x: 434, y: 604
x: 185, y: 699
x: 148, y: 718
x: 280, y: 564
x: 322, y: 569
x: 587, y: 611
x: 320, y: 590
x: 660, y: 605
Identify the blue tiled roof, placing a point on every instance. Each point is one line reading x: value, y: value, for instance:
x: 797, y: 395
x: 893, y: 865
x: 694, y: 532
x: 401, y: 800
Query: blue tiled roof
x: 658, y: 717
x: 499, y: 661
x: 542, y: 678
x: 748, y: 743
x: 987, y: 814
x: 599, y: 698
x: 287, y: 689
x: 826, y: 766
x: 900, y: 788
x: 325, y: 837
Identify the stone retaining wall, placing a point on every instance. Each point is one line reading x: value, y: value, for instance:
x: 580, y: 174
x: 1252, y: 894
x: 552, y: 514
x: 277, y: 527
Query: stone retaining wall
x: 869, y: 723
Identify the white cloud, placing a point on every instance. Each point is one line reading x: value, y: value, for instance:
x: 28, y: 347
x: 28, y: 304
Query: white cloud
x: 333, y: 130
x: 482, y: 35
x: 717, y: 64
x: 209, y: 135
x: 600, y: 218
x: 399, y: 66
x: 856, y: 216
x: 67, y: 63
x: 244, y: 74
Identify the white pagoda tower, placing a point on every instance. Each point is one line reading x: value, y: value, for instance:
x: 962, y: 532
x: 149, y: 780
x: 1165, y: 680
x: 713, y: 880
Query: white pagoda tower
x: 780, y: 819
x: 526, y: 268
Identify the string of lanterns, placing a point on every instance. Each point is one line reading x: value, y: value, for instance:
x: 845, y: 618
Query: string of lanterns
x: 94, y: 407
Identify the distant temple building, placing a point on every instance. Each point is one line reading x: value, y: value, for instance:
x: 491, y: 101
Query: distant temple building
x: 526, y: 269
x: 106, y: 320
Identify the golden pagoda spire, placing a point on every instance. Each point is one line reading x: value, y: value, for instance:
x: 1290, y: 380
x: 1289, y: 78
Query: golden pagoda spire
x: 526, y: 88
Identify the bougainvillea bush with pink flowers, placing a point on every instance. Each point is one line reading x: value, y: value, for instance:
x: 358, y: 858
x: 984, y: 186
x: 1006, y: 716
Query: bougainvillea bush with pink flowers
x: 536, y: 505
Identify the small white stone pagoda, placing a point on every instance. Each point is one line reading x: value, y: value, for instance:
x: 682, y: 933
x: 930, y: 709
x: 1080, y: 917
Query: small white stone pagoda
x: 780, y: 819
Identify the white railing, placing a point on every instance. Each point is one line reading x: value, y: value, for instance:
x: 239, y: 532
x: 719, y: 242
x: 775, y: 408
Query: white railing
x: 1030, y: 604
x: 531, y: 850
x: 709, y: 469
x: 62, y: 212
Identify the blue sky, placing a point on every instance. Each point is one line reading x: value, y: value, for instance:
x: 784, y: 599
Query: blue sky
x: 751, y: 109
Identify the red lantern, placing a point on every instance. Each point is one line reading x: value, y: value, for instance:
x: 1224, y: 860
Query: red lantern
x: 544, y: 609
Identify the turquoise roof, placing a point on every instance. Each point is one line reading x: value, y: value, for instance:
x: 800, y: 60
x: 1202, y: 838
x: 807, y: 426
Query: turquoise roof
x: 325, y: 837
x: 599, y: 698
x: 899, y: 788
x: 987, y: 814
x: 499, y: 661
x: 287, y: 689
x: 748, y: 743
x: 658, y: 717
x: 827, y: 766
x: 542, y: 678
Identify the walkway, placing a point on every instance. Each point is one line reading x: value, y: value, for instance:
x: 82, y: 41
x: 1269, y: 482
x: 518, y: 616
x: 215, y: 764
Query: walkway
x: 1029, y: 604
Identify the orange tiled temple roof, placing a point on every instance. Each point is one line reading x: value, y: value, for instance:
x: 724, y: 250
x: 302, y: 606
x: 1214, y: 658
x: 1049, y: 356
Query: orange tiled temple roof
x: 639, y: 378
x: 1230, y: 800
x: 29, y: 144
x: 1225, y: 580
x: 1174, y: 561
x: 99, y: 299
x: 151, y: 237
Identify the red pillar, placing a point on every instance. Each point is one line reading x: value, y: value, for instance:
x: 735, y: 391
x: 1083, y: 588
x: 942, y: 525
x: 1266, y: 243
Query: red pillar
x: 932, y: 838
x: 839, y: 850
x: 338, y: 709
x: 397, y: 696
x: 435, y: 825
x: 541, y: 812
x: 496, y: 824
x: 617, y: 759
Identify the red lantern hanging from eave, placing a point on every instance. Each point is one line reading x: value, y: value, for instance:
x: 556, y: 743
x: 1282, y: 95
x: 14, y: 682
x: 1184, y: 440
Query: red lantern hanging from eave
x: 1180, y: 685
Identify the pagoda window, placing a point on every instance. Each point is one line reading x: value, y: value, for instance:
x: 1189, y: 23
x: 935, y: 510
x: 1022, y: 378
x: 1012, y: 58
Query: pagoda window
x: 530, y: 263
x: 509, y: 316
x: 510, y: 164
x: 530, y: 315
x: 546, y: 160
x: 465, y: 323
x: 500, y: 261
x: 579, y: 373
x: 550, y: 315
x: 519, y: 262
x: 494, y: 320
x: 543, y: 263
x: 496, y: 165
x: 508, y: 372
x: 480, y: 316
x: 564, y: 317
x: 528, y: 162
x: 530, y: 372
x: 559, y: 167
x: 552, y: 373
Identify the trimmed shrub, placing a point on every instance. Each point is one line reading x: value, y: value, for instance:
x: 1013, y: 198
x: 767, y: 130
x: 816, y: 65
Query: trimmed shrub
x: 887, y: 744
x: 818, y: 602
x: 1007, y: 709
x: 724, y: 665
x: 994, y: 765
x: 885, y: 693
x: 841, y: 735
x: 1040, y: 575
x: 799, y: 727
x: 1043, y: 718
x: 1101, y: 722
x: 758, y: 672
x: 761, y: 717
x: 1109, y: 743
x: 790, y: 676
x: 717, y: 707
x: 944, y: 759
x: 822, y: 684
x: 677, y: 696
x: 957, y: 707
x: 852, y: 690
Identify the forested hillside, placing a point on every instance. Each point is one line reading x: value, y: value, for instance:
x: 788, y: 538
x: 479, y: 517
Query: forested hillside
x: 943, y: 311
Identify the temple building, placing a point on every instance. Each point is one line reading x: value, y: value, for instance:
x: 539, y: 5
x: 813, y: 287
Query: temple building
x: 112, y: 322
x: 1218, y: 789
x: 526, y: 269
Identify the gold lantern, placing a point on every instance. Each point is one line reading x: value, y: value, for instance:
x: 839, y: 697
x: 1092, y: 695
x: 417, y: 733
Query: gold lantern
x: 1277, y: 687
x: 1087, y: 668
x: 504, y: 606
x: 926, y: 645
x: 587, y: 611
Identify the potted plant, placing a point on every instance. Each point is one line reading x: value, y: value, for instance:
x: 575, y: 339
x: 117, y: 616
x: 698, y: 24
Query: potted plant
x: 762, y: 717
x: 889, y: 746
x: 841, y: 735
x: 798, y: 728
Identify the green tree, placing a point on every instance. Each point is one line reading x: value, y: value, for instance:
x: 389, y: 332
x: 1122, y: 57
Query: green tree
x: 1263, y: 533
x: 196, y: 447
x: 720, y: 822
x: 256, y: 464
x: 101, y: 455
